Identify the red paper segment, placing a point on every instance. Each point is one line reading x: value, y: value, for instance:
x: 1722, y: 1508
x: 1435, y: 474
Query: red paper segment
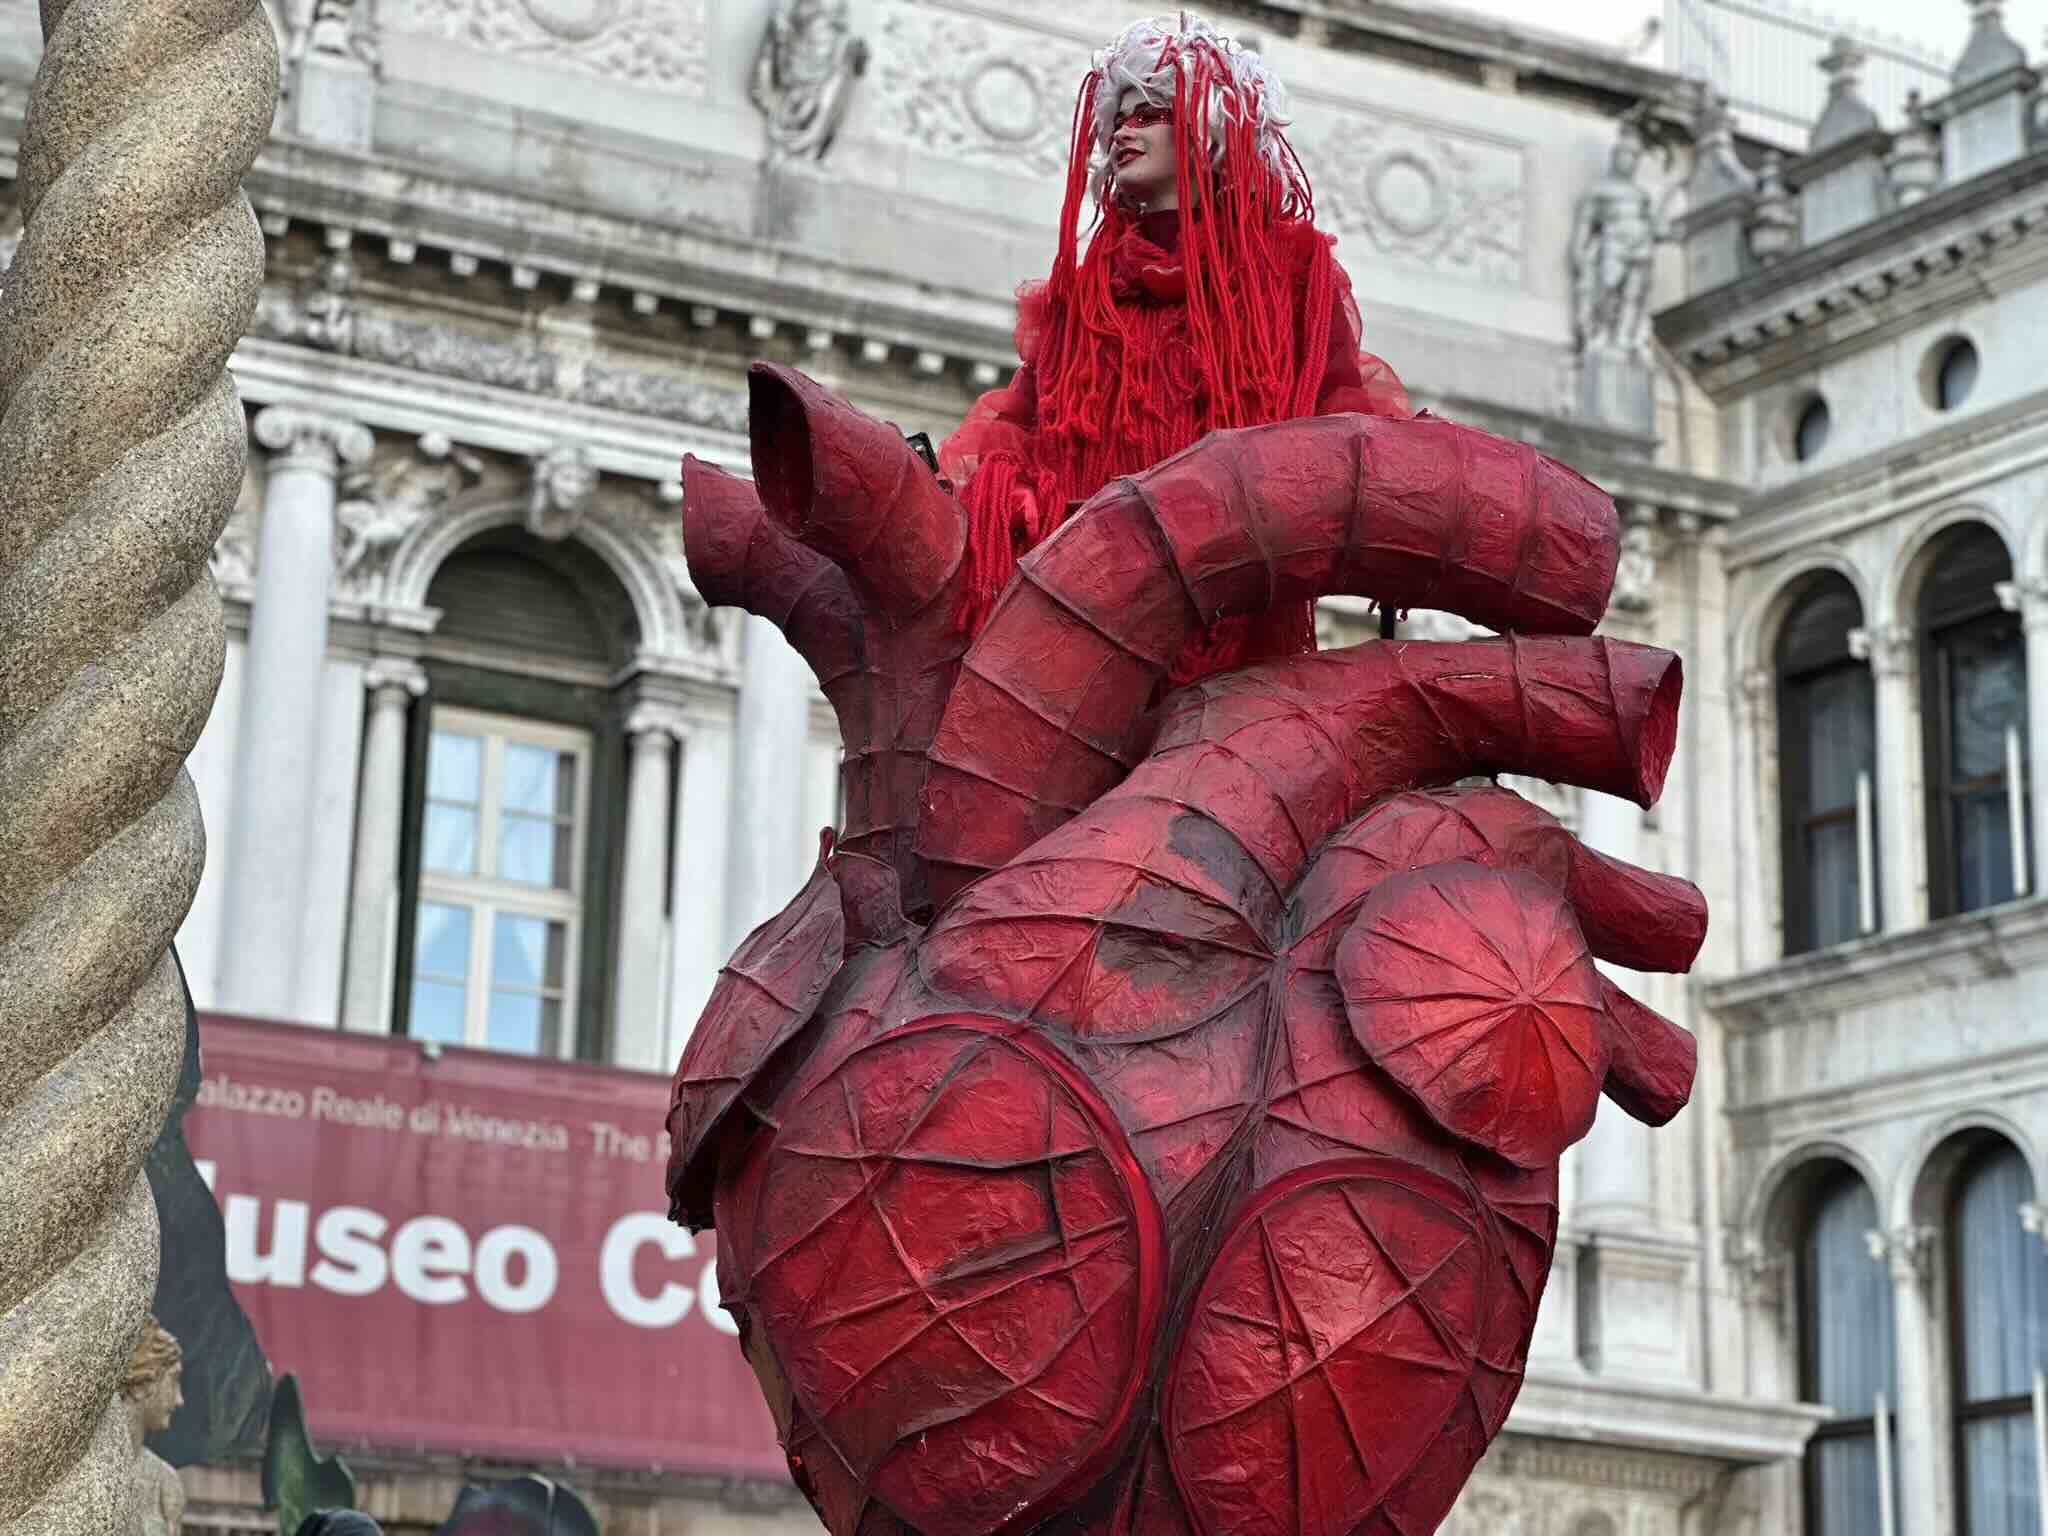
x: 765, y: 994
x: 961, y: 1272
x: 1473, y: 989
x: 1328, y: 1344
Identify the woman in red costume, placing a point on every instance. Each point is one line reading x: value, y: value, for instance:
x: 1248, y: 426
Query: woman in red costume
x: 1205, y: 298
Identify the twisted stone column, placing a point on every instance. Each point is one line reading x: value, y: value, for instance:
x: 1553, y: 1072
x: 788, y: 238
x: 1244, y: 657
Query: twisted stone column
x: 121, y: 445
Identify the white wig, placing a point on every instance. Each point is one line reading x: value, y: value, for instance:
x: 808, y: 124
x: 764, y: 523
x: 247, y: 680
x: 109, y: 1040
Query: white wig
x: 1145, y: 58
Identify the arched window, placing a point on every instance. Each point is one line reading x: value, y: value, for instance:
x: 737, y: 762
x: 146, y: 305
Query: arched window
x: 1845, y: 1354
x: 1973, y: 696
x: 512, y: 830
x: 2000, y: 1286
x: 1827, y: 756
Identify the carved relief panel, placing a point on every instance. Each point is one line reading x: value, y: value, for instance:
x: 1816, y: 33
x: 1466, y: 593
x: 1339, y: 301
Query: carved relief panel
x: 966, y: 91
x: 659, y: 43
x: 1419, y: 194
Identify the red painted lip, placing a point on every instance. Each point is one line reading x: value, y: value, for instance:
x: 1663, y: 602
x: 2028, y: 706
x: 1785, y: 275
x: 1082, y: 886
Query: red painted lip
x: 1124, y: 156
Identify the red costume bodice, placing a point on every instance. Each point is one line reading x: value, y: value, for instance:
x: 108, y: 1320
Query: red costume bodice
x: 1025, y: 463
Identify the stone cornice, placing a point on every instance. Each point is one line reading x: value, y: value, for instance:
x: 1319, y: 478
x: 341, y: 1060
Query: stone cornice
x: 413, y: 208
x: 1980, y: 946
x: 1956, y: 227
x: 1675, y: 1420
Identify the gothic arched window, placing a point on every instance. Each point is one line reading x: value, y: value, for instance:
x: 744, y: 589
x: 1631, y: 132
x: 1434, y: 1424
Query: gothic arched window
x: 1973, y: 699
x: 1845, y: 1354
x: 1826, y: 754
x: 2000, y: 1285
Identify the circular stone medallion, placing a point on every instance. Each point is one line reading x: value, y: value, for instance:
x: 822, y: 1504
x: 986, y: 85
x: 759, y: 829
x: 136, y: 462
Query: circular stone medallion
x: 575, y: 21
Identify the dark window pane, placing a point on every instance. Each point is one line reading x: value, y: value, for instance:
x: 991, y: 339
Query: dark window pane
x: 1811, y: 435
x: 1832, y: 889
x: 1988, y: 682
x: 1843, y: 1474
x: 1982, y: 836
x: 1848, y: 1297
x: 2000, y: 1492
x: 2002, y: 1274
x: 1839, y: 737
x: 1958, y: 376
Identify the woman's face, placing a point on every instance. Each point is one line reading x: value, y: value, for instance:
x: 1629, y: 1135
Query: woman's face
x: 1142, y: 158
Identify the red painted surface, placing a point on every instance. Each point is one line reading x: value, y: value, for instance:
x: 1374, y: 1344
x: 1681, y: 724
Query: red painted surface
x: 1231, y: 976
x: 469, y: 1254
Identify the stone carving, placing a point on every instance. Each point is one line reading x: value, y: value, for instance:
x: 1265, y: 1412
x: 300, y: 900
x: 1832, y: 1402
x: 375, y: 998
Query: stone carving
x: 564, y: 486
x: 803, y: 77
x: 312, y: 439
x: 963, y: 90
x: 704, y: 627
x: 382, y: 504
x: 1423, y: 195
x: 1907, y: 1251
x: 1774, y: 220
x: 320, y: 313
x: 149, y: 1393
x: 1914, y: 164
x: 1891, y: 649
x: 453, y: 353
x: 1635, y: 579
x: 649, y: 392
x: 330, y: 313
x: 659, y: 43
x: 1615, y: 234
x: 1760, y: 1271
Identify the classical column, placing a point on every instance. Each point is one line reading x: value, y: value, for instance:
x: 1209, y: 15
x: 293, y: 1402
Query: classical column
x: 1908, y: 1253
x: 770, y: 859
x: 1890, y: 650
x: 392, y: 682
x: 2030, y: 599
x: 699, y: 898
x: 637, y: 1025
x: 267, y: 846
x: 1615, y: 1159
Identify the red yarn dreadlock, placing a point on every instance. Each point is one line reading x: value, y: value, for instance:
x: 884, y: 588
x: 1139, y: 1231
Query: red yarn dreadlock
x: 1121, y: 385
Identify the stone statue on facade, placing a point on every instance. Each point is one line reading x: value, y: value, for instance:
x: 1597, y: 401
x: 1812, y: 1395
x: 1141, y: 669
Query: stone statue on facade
x: 1615, y: 234
x: 149, y: 1391
x: 1616, y: 230
x: 803, y: 77
x: 386, y: 502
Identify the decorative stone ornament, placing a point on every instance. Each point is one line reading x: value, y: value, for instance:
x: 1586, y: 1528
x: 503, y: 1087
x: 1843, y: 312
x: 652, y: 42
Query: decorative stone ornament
x: 1915, y: 161
x: 384, y: 503
x: 1774, y: 216
x: 564, y: 486
x: 1117, y: 1072
x: 803, y: 76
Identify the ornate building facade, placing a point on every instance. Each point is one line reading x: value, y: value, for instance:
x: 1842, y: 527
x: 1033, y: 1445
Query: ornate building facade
x: 485, y: 770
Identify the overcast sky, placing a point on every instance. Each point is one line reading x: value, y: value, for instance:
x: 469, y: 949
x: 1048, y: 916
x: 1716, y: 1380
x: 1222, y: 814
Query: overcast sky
x: 1937, y: 24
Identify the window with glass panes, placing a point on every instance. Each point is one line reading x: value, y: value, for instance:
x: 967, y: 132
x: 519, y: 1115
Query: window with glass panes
x: 1826, y: 746
x: 1845, y: 1354
x: 1999, y: 1279
x: 1973, y: 699
x: 500, y: 912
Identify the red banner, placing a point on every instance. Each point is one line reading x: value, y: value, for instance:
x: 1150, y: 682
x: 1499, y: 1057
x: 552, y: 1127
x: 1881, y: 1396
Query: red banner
x: 470, y: 1252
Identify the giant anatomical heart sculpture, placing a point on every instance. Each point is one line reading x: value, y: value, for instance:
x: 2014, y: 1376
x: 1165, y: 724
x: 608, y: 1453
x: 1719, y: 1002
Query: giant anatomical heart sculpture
x: 1147, y: 1119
